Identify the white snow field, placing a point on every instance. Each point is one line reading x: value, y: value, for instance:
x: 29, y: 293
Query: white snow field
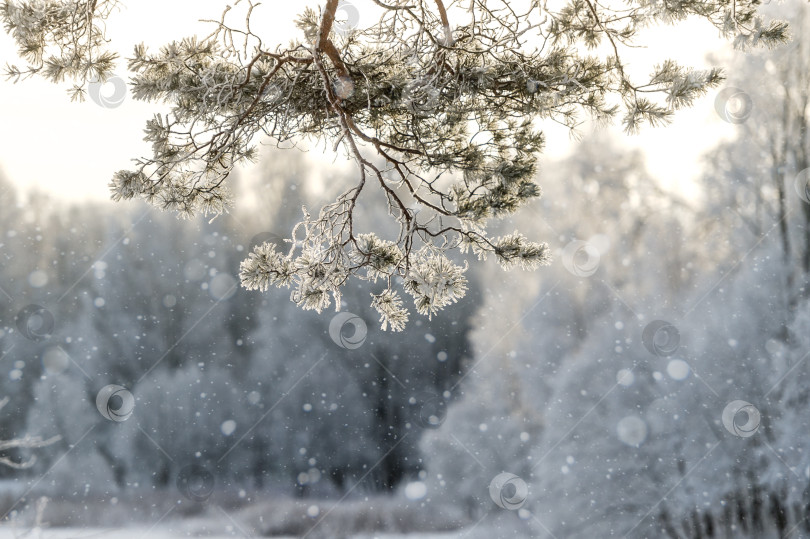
x: 146, y: 533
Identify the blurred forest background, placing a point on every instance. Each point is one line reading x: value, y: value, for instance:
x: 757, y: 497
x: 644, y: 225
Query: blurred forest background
x: 545, y: 375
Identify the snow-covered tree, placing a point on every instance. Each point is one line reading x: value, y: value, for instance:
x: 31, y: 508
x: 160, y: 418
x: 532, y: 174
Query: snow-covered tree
x: 622, y: 441
x: 538, y: 346
x: 773, y: 121
x: 24, y: 442
x: 436, y: 104
x: 220, y: 377
x: 359, y: 406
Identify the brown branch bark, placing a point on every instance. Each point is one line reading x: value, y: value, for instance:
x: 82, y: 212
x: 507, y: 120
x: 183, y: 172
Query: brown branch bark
x: 325, y: 44
x: 448, y: 34
x: 442, y: 13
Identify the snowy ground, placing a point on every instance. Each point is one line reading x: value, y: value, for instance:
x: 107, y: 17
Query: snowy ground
x: 97, y: 533
x: 146, y: 533
x: 384, y: 517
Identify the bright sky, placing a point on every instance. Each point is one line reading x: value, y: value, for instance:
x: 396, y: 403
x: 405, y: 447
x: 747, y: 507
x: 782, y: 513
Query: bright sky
x: 71, y: 150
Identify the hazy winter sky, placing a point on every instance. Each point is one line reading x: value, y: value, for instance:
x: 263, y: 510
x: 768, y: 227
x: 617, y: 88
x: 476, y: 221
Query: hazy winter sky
x: 71, y: 150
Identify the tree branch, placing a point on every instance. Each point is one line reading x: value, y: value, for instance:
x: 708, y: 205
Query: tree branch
x: 325, y: 45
